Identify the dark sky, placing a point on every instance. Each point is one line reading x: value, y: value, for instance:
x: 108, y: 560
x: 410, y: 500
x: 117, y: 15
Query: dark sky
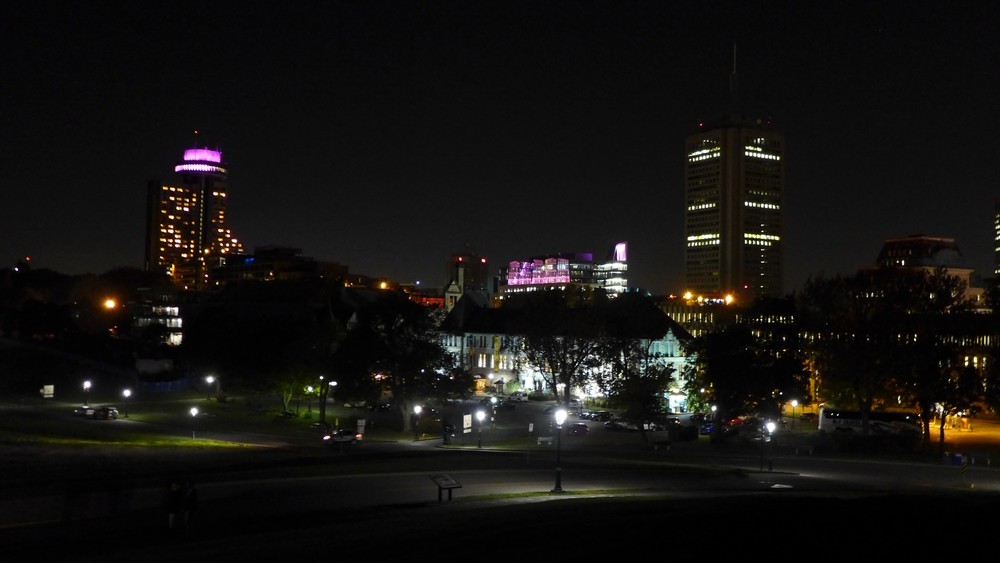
x: 389, y: 135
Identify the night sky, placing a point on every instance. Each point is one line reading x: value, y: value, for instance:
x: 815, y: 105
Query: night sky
x: 387, y: 136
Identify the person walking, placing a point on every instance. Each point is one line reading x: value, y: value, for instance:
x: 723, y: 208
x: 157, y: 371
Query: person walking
x: 190, y: 503
x: 174, y: 503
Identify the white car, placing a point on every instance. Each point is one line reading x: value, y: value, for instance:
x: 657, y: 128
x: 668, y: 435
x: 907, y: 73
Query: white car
x: 343, y: 436
x: 517, y: 396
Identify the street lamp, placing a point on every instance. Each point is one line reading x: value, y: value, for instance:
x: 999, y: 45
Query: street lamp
x: 480, y: 415
x: 126, y: 393
x: 86, y: 389
x: 416, y: 421
x: 769, y: 428
x: 560, y: 419
x: 795, y: 403
x: 194, y: 416
x: 214, y: 383
x: 309, y: 403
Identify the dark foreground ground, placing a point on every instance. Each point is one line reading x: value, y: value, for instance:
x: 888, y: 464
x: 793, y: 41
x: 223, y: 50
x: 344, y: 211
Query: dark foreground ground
x: 749, y: 526
x: 752, y: 528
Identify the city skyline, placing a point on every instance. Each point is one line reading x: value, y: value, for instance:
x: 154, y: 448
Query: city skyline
x: 387, y: 137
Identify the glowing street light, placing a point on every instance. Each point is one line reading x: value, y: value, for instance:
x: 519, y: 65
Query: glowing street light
x: 769, y: 429
x: 194, y: 416
x: 560, y: 419
x: 126, y: 393
x: 416, y: 421
x: 86, y: 389
x: 795, y: 403
x: 212, y: 381
x: 480, y: 415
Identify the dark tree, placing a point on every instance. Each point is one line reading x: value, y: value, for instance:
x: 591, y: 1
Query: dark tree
x: 560, y: 336
x: 733, y: 369
x: 393, y: 347
x: 877, y: 340
x: 635, y: 375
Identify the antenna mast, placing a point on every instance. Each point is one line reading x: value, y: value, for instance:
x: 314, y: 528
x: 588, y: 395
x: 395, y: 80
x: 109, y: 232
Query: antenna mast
x: 732, y: 83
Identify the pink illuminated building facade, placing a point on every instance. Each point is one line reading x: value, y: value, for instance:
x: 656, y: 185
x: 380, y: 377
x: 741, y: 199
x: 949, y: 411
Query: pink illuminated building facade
x: 562, y: 270
x: 187, y: 231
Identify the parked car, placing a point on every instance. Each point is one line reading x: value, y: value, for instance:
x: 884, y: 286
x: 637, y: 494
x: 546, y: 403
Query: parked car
x: 102, y: 413
x: 321, y: 427
x: 619, y: 424
x: 577, y: 429
x: 105, y: 413
x: 677, y: 429
x: 517, y: 396
x: 343, y: 436
x: 491, y: 401
x: 600, y: 416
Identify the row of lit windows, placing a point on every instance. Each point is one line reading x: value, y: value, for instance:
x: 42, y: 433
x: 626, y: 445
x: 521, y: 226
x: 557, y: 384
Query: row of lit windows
x: 702, y: 157
x: 761, y: 236
x: 762, y: 155
x: 714, y: 242
x: 471, y: 342
x: 199, y: 168
x: 761, y: 205
x: 702, y: 206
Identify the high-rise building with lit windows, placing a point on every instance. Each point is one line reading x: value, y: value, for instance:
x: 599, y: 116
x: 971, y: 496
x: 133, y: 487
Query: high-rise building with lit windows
x: 187, y: 232
x: 734, y: 178
x: 996, y: 239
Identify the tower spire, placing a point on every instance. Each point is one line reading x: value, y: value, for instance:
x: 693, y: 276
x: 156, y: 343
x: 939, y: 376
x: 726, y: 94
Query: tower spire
x: 733, y: 99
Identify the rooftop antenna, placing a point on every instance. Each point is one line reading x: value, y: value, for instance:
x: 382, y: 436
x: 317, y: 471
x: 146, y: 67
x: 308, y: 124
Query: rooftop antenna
x: 732, y: 83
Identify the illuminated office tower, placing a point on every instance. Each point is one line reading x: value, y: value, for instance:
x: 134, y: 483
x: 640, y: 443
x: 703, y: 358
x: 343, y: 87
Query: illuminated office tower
x: 996, y: 239
x: 734, y: 178
x: 187, y: 233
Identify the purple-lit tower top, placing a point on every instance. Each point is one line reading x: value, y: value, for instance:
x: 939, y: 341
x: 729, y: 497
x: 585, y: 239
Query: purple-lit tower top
x: 201, y: 160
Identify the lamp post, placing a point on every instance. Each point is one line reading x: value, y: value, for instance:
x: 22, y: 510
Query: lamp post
x: 416, y: 422
x: 126, y: 393
x: 560, y: 418
x: 480, y: 415
x: 194, y: 416
x: 769, y: 428
x: 210, y: 379
x: 795, y: 403
x: 86, y: 389
x: 309, y: 401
